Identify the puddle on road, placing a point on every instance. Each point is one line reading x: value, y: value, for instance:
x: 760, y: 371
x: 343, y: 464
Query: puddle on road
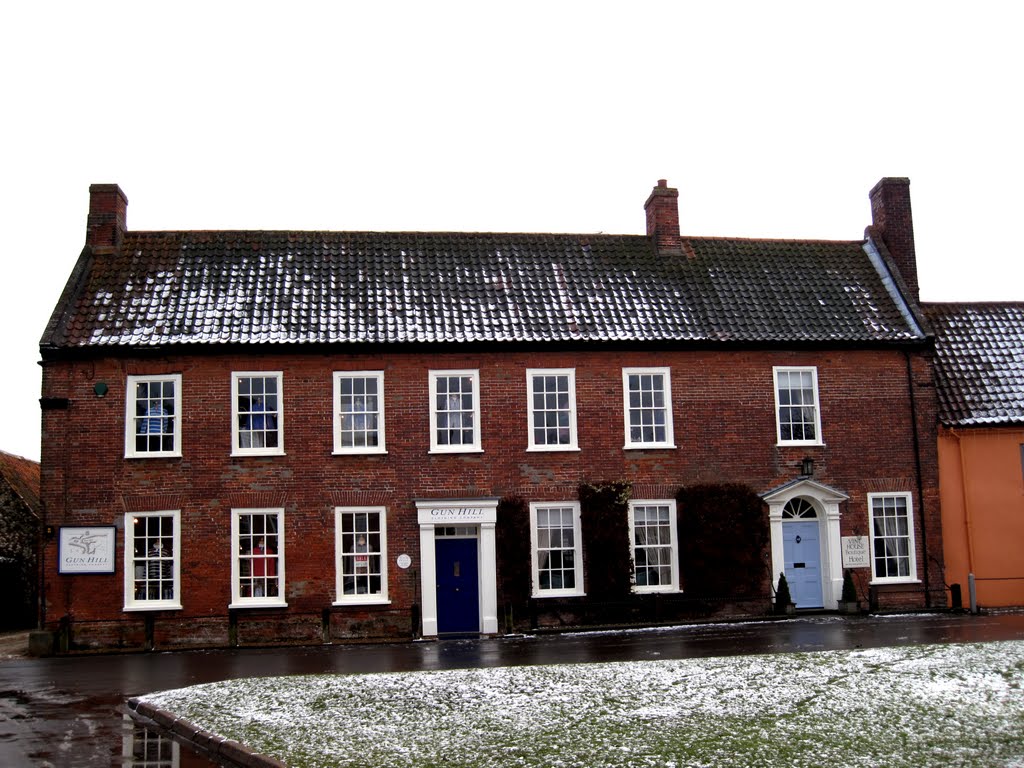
x: 57, y: 729
x: 143, y: 748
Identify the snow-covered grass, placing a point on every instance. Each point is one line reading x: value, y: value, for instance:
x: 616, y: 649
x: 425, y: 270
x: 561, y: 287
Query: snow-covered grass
x: 919, y: 706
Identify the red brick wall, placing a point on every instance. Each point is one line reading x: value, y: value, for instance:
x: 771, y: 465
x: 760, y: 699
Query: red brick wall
x: 723, y: 404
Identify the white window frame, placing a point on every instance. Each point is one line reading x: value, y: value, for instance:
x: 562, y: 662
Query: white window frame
x: 673, y: 585
x: 570, y: 375
x: 630, y: 443
x: 381, y: 447
x: 813, y: 370
x: 131, y: 601
x: 475, y: 446
x: 278, y: 415
x: 264, y: 601
x: 378, y: 598
x: 535, y: 553
x: 911, y: 576
x: 132, y: 419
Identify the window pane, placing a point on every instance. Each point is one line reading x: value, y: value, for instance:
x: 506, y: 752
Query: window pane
x: 648, y: 414
x: 258, y: 555
x: 454, y: 411
x: 556, y: 556
x: 359, y: 416
x: 891, y: 531
x: 154, y: 416
x: 797, y: 413
x: 551, y: 410
x: 153, y: 557
x: 652, y: 546
x: 361, y: 560
x: 258, y: 414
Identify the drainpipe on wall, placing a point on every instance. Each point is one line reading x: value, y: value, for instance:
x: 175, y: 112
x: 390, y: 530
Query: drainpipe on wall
x: 965, y: 500
x: 920, y: 480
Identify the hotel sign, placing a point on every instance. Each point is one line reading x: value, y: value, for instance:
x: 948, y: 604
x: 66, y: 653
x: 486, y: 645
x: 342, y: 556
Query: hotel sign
x: 87, y: 550
x: 856, y: 553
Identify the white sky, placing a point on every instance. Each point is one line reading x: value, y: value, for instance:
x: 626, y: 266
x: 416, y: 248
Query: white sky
x: 772, y: 119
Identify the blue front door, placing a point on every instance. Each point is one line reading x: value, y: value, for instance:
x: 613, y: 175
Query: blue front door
x: 802, y: 553
x: 458, y: 590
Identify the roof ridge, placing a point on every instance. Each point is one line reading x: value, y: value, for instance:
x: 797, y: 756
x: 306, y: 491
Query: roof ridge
x: 428, y: 233
x: 492, y: 233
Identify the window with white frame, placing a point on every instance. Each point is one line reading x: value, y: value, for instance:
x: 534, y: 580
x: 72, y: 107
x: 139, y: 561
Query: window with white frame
x: 257, y: 562
x: 557, y: 557
x: 152, y: 553
x: 551, y: 397
x: 257, y: 418
x: 360, y: 542
x: 359, y: 412
x: 796, y: 406
x: 655, y: 551
x: 454, y: 411
x: 892, y: 537
x: 153, y: 416
x: 647, y: 395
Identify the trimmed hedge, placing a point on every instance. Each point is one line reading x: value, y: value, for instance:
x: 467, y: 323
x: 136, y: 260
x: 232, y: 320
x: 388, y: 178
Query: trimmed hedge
x: 512, y: 539
x: 723, y: 538
x: 604, y: 514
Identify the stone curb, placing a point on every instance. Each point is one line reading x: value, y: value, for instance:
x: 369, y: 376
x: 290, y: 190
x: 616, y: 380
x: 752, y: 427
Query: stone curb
x: 227, y: 750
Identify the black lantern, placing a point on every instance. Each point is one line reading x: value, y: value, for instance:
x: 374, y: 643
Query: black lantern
x: 807, y: 466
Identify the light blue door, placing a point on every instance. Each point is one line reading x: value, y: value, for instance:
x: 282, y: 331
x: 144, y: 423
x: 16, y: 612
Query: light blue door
x: 802, y: 553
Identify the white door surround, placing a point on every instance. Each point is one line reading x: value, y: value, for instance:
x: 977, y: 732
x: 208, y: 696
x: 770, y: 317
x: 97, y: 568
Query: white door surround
x: 481, y: 514
x: 826, y: 502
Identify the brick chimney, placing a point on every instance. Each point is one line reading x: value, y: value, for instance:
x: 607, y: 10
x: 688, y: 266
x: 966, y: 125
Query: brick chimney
x: 662, y: 209
x: 893, y: 222
x: 108, y: 216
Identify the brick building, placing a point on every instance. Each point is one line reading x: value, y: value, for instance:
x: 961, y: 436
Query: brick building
x: 19, y: 541
x: 322, y: 436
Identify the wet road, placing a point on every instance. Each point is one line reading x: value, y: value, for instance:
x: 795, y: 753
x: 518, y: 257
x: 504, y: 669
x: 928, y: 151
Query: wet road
x: 67, y: 711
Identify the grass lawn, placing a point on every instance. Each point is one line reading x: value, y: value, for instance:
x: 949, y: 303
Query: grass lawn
x: 915, y: 706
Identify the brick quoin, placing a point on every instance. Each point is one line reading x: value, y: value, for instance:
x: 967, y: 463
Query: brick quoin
x: 725, y: 431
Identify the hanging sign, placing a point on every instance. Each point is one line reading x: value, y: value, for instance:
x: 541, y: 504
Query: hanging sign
x: 87, y: 550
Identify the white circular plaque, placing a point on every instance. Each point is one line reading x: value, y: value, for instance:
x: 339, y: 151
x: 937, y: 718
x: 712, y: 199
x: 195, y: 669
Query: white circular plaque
x: 404, y: 561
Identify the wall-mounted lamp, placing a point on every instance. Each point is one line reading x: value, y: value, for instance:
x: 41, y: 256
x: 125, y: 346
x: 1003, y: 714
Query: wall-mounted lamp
x: 100, y: 389
x: 807, y: 467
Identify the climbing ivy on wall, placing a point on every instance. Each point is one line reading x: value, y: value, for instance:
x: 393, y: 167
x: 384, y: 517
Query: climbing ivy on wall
x: 604, y: 514
x: 512, y: 539
x: 723, y: 540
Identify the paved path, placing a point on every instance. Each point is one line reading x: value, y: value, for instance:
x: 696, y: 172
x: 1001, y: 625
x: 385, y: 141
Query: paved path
x: 67, y: 711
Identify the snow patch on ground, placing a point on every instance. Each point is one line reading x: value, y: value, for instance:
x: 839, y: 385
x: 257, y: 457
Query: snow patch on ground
x: 913, y: 706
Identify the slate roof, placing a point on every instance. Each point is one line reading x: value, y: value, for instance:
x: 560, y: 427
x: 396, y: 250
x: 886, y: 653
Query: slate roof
x: 193, y: 287
x: 22, y: 475
x: 979, y: 362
